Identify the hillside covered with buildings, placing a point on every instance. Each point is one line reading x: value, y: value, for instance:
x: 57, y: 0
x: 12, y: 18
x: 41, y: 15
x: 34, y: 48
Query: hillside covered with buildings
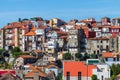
x: 39, y: 49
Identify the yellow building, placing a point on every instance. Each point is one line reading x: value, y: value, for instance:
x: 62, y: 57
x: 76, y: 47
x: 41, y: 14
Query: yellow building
x: 12, y: 35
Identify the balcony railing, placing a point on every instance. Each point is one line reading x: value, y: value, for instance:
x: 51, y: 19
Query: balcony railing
x: 8, y: 38
x: 8, y: 32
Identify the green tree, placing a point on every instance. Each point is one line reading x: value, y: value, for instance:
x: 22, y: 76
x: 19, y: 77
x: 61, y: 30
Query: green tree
x: 113, y: 69
x: 67, y: 56
x: 59, y: 63
x: 16, y: 49
x: 1, y: 50
x: 78, y: 56
x: 113, y: 77
x: 94, y: 77
x: 117, y: 69
x: 86, y: 56
x: 59, y: 77
x: 93, y: 56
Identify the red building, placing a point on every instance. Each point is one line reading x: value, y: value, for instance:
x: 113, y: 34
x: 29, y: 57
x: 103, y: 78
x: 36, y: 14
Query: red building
x: 90, y: 34
x: 115, y: 29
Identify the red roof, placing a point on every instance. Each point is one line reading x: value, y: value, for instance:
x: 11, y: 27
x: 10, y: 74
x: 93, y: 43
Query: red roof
x: 114, y: 27
x: 63, y: 37
x: 27, y: 56
x: 61, y: 32
x: 108, y: 55
x: 2, y: 72
x: 31, y: 33
x: 31, y: 73
x: 74, y: 67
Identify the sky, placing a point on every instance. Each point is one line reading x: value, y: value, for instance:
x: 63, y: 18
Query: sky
x: 11, y: 10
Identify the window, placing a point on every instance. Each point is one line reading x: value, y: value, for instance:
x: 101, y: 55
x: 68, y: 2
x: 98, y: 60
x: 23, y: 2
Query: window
x: 117, y: 59
x: 94, y: 52
x: 113, y: 59
x: 107, y: 48
x: 112, y: 43
x: 102, y: 77
x: 102, y: 69
x: 79, y: 75
x: 97, y: 46
x: 101, y: 41
x: 97, y: 41
x: 112, y: 30
x: 107, y: 41
x: 106, y: 59
x: 97, y: 51
x: 68, y: 76
x: 117, y: 30
x: 101, y: 47
x: 49, y: 49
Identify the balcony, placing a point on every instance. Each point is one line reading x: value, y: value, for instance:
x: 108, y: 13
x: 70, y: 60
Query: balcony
x: 9, y: 32
x: 8, y: 38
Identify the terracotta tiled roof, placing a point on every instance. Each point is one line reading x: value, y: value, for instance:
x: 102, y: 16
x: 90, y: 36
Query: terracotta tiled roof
x: 42, y: 27
x: 51, y: 65
x: 61, y: 32
x: 38, y: 51
x: 78, y: 66
x: 100, y: 26
x: 31, y: 33
x: 27, y: 56
x: 118, y: 75
x: 13, y: 25
x: 85, y: 21
x: 31, y: 73
x: 80, y: 27
x: 63, y: 37
x: 114, y: 27
x: 33, y: 29
x: 108, y: 55
x: 33, y: 67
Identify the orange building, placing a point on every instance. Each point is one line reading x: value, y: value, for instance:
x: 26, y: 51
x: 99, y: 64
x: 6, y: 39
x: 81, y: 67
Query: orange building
x: 73, y: 70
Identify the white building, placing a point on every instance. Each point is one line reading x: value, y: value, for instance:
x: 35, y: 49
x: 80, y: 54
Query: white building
x: 111, y: 58
x: 102, y: 71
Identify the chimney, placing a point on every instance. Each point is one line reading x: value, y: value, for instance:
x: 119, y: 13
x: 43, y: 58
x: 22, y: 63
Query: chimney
x: 36, y: 75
